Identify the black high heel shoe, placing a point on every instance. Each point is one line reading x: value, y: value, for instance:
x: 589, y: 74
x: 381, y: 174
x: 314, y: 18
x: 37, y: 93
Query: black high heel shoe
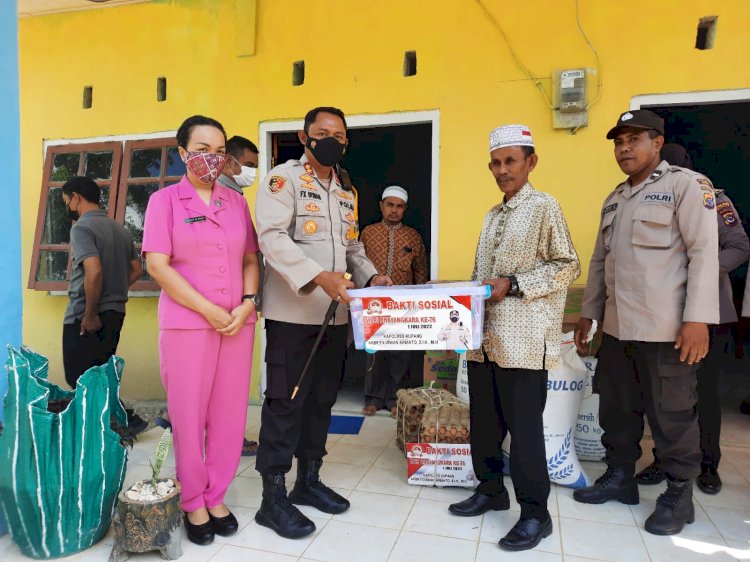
x: 202, y: 534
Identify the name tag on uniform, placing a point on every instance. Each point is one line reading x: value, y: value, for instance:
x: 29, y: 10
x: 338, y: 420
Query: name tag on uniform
x: 657, y: 198
x: 609, y: 208
x: 195, y: 219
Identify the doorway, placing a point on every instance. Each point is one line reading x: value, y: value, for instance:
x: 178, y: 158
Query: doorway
x: 714, y: 127
x: 389, y: 149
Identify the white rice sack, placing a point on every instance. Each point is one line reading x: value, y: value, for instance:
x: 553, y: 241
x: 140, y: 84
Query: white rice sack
x: 588, y: 436
x: 565, y: 388
x: 462, y: 379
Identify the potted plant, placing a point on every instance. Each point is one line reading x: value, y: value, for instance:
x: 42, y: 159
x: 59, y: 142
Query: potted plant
x: 148, y: 515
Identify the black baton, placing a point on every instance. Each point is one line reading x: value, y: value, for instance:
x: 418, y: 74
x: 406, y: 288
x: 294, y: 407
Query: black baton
x: 329, y: 314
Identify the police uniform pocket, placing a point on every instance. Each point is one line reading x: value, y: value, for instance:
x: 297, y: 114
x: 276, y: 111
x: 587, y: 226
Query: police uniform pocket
x: 677, y: 380
x: 277, y: 381
x: 652, y: 226
x: 309, y: 228
x: 608, y: 228
x: 349, y: 226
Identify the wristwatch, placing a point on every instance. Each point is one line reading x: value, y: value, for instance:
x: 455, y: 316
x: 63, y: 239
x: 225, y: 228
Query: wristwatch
x: 255, y: 299
x: 514, y: 290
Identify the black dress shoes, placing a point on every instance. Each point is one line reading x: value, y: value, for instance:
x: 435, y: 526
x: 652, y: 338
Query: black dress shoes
x: 527, y: 533
x: 202, y: 534
x: 225, y: 526
x: 709, y: 481
x: 481, y: 503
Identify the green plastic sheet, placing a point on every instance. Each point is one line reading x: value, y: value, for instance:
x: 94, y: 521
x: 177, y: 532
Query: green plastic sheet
x: 60, y: 473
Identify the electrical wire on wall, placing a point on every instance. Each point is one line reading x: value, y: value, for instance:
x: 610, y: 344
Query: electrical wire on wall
x: 599, y: 82
x: 513, y: 54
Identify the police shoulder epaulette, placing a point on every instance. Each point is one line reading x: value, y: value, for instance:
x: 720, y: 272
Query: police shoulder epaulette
x: 656, y: 174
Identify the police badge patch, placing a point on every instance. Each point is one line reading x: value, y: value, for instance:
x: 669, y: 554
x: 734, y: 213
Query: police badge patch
x: 276, y: 184
x: 708, y: 200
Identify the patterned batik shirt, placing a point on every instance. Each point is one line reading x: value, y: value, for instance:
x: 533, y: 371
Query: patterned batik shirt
x: 397, y: 251
x: 526, y: 237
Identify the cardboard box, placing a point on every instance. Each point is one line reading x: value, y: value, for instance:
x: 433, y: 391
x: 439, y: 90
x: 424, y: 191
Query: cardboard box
x: 438, y: 464
x: 441, y: 368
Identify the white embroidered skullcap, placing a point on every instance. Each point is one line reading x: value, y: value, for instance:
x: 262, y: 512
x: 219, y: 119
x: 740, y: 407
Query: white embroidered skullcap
x: 396, y: 191
x: 510, y: 135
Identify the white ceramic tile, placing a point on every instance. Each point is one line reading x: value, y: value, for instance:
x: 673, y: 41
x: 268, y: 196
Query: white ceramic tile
x: 588, y: 539
x: 433, y: 518
x: 701, y: 527
x: 377, y: 510
x: 497, y: 524
x: 339, y: 475
x: 732, y: 496
x: 736, y: 455
x: 262, y: 538
x: 244, y: 492
x: 353, y: 454
x: 610, y: 512
x: 739, y: 549
x: 341, y: 541
x: 729, y: 474
x: 489, y: 552
x: 244, y: 515
x: 685, y: 548
x: 733, y: 525
x: 416, y: 546
x: 393, y: 459
x: 384, y: 481
x: 238, y: 554
x: 448, y: 494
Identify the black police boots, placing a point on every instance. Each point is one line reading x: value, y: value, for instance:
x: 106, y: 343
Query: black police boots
x: 481, y: 503
x: 674, y: 508
x: 709, y: 481
x: 615, y: 484
x: 277, y: 512
x: 309, y: 490
x: 652, y: 474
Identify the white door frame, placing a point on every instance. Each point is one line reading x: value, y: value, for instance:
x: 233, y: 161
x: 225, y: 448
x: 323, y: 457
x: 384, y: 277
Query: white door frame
x: 691, y: 98
x: 268, y: 128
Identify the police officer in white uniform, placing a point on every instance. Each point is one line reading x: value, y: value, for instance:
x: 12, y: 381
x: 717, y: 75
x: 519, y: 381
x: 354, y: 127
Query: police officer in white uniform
x: 455, y: 335
x: 306, y: 217
x: 653, y: 284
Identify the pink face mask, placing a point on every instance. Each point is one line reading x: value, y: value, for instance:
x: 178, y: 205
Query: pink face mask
x: 206, y: 166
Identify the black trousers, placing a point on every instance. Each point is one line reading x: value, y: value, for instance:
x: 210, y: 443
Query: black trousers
x: 502, y: 401
x: 648, y: 377
x: 385, y: 371
x: 709, y: 403
x: 298, y: 427
x: 81, y: 352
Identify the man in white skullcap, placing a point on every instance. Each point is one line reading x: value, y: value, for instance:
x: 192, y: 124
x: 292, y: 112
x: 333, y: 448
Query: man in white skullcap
x: 397, y: 249
x: 525, y: 253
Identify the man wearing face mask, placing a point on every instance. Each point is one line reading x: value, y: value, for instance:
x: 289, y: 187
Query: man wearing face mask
x: 242, y: 164
x: 105, y: 264
x: 455, y: 334
x: 308, y: 233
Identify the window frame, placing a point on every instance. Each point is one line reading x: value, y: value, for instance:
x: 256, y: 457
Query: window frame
x: 51, y: 151
x: 165, y: 143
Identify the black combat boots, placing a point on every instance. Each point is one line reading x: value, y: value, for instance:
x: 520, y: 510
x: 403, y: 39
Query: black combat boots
x: 615, y: 484
x: 277, y: 512
x: 652, y: 474
x: 309, y: 490
x: 674, y: 508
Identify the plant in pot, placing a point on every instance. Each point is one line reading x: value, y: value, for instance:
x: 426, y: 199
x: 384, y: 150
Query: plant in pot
x: 149, y: 514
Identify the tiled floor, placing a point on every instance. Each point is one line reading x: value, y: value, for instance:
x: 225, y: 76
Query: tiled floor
x: 392, y: 521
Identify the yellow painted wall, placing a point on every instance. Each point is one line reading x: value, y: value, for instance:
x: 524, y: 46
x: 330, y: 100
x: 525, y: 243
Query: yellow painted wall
x: 353, y: 50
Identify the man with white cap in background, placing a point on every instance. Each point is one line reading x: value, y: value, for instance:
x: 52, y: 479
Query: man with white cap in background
x: 396, y: 250
x: 525, y: 253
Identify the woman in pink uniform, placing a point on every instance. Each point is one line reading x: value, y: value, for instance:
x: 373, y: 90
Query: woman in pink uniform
x: 200, y: 246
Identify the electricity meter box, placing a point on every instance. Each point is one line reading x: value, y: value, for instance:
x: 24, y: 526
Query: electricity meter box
x: 569, y: 98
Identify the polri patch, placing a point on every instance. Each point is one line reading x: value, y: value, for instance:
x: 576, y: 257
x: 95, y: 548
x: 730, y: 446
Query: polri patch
x: 276, y: 184
x: 708, y: 200
x: 657, y: 197
x: 609, y: 208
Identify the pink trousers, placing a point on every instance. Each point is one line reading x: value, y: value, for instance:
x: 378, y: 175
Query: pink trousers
x: 207, y: 379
